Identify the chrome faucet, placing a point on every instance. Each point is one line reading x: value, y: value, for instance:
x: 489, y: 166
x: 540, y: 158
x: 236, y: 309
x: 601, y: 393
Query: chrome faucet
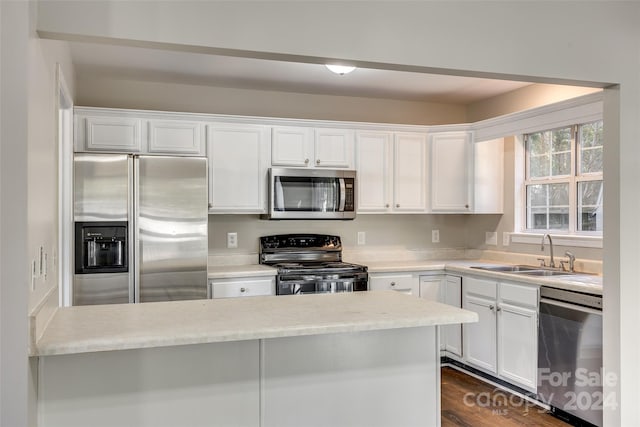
x: 552, y: 264
x: 572, y: 261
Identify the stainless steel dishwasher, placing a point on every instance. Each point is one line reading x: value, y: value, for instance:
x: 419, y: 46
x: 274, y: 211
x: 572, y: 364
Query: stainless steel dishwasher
x: 570, y: 354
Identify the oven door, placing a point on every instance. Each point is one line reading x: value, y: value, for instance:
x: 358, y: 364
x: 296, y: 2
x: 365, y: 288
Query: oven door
x: 311, y: 194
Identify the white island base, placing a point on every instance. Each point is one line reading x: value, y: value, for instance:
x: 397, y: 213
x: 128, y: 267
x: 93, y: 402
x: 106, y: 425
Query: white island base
x: 365, y: 376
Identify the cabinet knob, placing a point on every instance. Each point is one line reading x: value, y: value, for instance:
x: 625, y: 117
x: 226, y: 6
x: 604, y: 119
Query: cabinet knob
x: 210, y: 205
x: 387, y: 205
x: 397, y: 205
x: 318, y: 162
x: 243, y: 290
x: 499, y: 308
x: 491, y: 307
x: 393, y: 283
x: 306, y: 161
x: 466, y: 206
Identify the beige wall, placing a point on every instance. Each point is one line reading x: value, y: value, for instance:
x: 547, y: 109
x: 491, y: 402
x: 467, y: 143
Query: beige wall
x: 535, y: 95
x: 43, y: 158
x: 100, y: 91
x: 383, y: 232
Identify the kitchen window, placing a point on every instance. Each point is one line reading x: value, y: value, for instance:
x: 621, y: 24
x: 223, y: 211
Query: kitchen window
x: 563, y: 180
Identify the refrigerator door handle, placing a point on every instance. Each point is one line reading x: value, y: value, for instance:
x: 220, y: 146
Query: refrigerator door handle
x: 134, y: 198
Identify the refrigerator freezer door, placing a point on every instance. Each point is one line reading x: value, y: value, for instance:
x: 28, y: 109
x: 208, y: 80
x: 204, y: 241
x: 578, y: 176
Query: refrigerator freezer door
x: 101, y: 187
x: 103, y: 288
x: 171, y: 228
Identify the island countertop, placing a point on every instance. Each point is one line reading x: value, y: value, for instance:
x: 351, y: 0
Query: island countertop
x: 86, y: 329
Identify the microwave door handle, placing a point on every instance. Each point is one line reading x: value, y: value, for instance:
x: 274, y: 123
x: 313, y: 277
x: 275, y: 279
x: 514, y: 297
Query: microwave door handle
x: 343, y: 194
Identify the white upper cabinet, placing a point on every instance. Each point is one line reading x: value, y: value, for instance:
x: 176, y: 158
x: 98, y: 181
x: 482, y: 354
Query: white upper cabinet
x: 291, y: 146
x: 312, y: 147
x: 451, y: 169
x: 374, y: 165
x: 176, y: 137
x: 108, y: 133
x: 489, y: 177
x: 410, y: 172
x: 138, y: 132
x: 391, y: 172
x: 238, y: 164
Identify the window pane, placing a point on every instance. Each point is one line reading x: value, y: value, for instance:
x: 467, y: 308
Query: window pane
x: 539, y: 166
x: 537, y: 144
x: 561, y: 164
x: 590, y: 213
x: 591, y: 145
x: 561, y: 139
x: 548, y: 206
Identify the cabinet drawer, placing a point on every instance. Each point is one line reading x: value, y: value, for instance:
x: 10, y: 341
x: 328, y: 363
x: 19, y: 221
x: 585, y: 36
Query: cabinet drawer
x: 483, y: 287
x: 231, y: 288
x: 405, y: 283
x: 525, y: 295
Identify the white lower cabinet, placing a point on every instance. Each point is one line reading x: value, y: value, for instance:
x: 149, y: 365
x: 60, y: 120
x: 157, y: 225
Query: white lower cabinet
x: 242, y: 287
x: 504, y: 341
x: 408, y: 283
x: 446, y: 289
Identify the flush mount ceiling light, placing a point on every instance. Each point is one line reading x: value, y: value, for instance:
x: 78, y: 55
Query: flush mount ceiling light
x: 340, y: 69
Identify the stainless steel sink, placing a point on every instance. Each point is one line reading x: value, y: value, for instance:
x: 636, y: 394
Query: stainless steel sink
x: 527, y: 270
x: 506, y: 268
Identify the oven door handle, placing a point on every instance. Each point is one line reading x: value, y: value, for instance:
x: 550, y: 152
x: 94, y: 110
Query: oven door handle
x: 570, y: 306
x: 343, y: 194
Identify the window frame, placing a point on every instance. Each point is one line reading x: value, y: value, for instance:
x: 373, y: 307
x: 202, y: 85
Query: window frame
x: 573, y: 180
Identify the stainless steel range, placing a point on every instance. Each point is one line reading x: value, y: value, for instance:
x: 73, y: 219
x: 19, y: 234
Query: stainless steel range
x: 311, y: 263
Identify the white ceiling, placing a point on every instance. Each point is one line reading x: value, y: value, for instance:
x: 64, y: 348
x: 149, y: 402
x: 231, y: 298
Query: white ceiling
x: 250, y: 73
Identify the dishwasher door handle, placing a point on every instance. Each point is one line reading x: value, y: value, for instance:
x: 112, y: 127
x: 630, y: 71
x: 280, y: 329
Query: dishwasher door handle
x: 571, y: 306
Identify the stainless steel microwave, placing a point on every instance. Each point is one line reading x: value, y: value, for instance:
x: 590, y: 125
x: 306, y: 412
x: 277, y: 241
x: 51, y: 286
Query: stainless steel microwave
x: 311, y: 194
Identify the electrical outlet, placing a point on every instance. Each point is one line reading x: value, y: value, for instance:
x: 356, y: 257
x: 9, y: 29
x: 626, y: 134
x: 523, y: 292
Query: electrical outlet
x: 506, y: 238
x: 491, y: 238
x: 435, y: 236
x: 232, y: 240
x: 361, y: 237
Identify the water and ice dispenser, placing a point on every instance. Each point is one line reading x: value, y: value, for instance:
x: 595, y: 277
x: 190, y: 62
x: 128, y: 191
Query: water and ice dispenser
x: 101, y: 247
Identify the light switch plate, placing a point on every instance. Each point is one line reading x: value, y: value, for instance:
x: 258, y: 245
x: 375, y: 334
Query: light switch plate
x: 232, y: 240
x: 491, y: 238
x: 362, y: 237
x: 435, y: 236
x: 506, y: 238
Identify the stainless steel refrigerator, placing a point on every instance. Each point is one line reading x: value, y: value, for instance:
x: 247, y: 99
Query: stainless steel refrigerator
x: 140, y: 228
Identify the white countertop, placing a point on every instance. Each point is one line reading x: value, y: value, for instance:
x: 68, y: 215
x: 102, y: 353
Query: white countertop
x: 232, y: 271
x: 590, y: 283
x: 86, y: 329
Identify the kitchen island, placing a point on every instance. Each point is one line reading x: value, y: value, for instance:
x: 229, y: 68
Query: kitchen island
x: 351, y: 359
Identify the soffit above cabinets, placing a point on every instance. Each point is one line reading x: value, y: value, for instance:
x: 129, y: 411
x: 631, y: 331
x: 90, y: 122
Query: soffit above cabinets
x: 137, y: 63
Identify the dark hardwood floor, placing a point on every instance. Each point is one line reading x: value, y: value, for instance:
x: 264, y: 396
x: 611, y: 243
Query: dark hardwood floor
x: 469, y: 402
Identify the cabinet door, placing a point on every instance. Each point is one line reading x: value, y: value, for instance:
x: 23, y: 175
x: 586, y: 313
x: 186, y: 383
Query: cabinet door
x: 334, y: 148
x: 488, y: 181
x: 452, y: 334
x: 374, y: 167
x: 242, y: 287
x: 518, y: 345
x: 451, y: 172
x: 405, y: 283
x: 409, y: 172
x: 111, y: 134
x: 480, y: 339
x: 291, y: 146
x: 238, y: 162
x: 176, y: 137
